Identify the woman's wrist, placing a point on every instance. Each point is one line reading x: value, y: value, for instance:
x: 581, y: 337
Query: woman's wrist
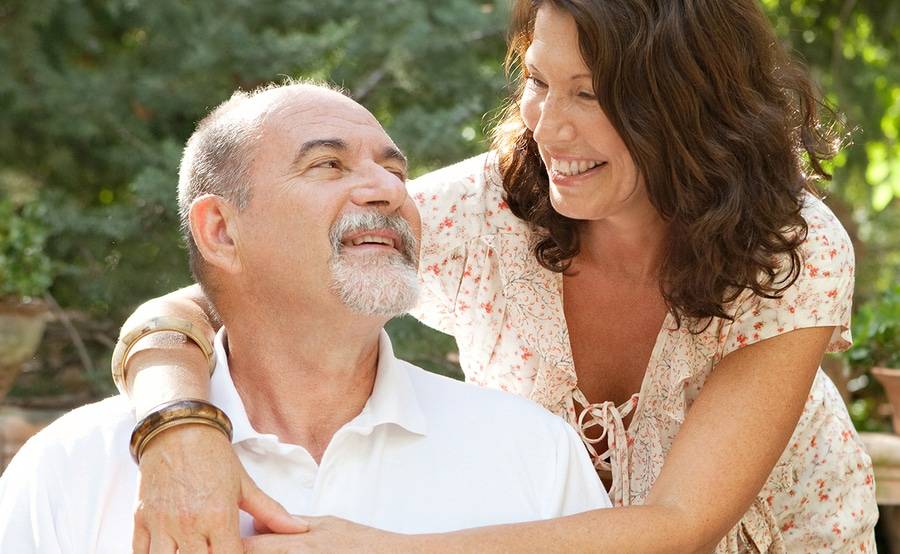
x: 175, y: 414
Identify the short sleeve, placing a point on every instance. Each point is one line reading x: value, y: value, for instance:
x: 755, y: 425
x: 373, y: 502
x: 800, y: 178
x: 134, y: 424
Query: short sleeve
x: 576, y: 487
x: 455, y: 204
x: 822, y: 295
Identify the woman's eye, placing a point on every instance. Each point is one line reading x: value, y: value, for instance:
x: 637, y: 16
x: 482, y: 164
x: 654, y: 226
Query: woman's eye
x: 533, y: 81
x: 587, y: 96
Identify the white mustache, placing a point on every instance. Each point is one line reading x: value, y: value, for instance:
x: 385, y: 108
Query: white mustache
x: 374, y: 221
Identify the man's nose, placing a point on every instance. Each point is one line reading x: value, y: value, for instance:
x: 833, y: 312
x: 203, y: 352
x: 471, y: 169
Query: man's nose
x: 555, y: 122
x: 379, y: 188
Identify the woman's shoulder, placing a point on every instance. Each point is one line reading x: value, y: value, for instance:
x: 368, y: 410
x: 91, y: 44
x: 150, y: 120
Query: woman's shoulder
x: 462, y: 202
x: 826, y: 252
x: 824, y: 229
x: 477, y: 175
x: 820, y: 295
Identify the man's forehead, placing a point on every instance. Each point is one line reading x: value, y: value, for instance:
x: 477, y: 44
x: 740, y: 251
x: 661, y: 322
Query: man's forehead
x: 308, y: 117
x: 318, y: 105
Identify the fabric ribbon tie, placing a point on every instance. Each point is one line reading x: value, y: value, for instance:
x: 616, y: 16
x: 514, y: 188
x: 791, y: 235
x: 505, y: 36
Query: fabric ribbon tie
x: 614, y: 459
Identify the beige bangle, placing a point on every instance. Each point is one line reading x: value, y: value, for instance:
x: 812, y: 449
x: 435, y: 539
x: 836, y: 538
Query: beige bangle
x: 158, y: 325
x: 171, y: 414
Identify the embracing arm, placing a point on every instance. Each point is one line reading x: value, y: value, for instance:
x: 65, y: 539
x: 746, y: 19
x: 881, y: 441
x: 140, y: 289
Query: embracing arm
x: 168, y: 366
x: 731, y: 439
x: 192, y: 483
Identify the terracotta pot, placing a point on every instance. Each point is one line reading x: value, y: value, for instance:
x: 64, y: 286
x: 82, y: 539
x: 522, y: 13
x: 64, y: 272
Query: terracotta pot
x: 890, y: 380
x: 21, y: 329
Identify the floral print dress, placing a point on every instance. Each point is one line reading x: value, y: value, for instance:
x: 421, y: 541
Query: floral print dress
x: 482, y: 284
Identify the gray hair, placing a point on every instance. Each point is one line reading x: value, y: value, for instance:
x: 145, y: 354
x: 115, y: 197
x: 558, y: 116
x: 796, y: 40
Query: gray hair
x: 218, y: 156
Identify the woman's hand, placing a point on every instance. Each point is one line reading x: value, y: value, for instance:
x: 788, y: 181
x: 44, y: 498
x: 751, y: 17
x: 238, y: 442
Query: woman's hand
x: 191, y: 487
x: 330, y: 534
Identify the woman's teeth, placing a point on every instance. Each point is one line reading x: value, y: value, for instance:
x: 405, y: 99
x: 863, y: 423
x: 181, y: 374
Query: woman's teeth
x: 572, y: 167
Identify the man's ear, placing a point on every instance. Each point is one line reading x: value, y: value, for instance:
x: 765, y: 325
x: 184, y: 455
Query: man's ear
x: 215, y: 231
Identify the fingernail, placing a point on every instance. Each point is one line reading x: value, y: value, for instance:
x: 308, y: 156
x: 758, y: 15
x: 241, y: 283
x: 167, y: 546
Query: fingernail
x: 300, y: 520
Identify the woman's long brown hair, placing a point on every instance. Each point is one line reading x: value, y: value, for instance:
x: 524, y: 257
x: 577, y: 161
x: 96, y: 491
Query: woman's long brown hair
x: 722, y: 124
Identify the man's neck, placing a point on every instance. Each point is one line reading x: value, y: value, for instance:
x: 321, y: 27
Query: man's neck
x: 304, y: 380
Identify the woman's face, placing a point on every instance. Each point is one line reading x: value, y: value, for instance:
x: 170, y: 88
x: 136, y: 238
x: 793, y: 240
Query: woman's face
x: 592, y: 174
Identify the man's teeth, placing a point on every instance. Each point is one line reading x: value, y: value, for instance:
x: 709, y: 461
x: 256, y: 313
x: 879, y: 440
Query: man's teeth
x: 371, y: 239
x: 572, y: 167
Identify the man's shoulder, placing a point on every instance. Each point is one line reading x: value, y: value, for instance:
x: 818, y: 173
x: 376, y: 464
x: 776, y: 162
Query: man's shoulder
x: 510, y: 439
x: 71, y: 484
x: 487, y: 408
x: 95, y: 429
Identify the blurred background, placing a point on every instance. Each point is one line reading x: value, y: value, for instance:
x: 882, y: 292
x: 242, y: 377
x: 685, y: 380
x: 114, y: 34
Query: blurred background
x: 98, y: 96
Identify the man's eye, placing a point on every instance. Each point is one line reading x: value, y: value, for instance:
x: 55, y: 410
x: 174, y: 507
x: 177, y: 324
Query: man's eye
x: 328, y: 164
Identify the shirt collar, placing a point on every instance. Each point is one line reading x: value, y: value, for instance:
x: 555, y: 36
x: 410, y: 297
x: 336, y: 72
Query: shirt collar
x: 393, y: 400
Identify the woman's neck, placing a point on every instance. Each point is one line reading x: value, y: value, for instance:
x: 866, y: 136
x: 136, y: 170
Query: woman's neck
x: 631, y: 248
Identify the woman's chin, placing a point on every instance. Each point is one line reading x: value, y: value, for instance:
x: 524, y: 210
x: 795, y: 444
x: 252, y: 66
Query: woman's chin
x: 568, y: 207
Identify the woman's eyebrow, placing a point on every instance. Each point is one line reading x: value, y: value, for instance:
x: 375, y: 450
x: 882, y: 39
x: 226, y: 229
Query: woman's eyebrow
x: 532, y: 69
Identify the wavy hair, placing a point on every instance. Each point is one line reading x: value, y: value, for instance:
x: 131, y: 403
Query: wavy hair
x: 722, y: 124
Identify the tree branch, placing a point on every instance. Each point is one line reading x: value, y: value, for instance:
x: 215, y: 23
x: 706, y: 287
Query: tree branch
x: 83, y: 355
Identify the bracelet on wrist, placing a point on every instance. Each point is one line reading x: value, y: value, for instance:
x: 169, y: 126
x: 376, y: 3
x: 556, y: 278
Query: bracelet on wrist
x: 174, y: 413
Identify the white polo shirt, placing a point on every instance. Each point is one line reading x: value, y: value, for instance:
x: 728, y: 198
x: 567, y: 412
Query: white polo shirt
x: 426, y: 454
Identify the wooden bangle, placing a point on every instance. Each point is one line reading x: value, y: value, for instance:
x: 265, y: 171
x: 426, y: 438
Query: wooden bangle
x: 158, y: 325
x: 171, y: 414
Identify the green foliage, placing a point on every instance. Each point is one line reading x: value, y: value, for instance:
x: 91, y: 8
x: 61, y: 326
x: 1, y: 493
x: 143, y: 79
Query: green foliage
x: 424, y: 347
x: 876, y: 333
x: 98, y: 97
x: 876, y: 343
x: 851, y: 47
x: 25, y: 269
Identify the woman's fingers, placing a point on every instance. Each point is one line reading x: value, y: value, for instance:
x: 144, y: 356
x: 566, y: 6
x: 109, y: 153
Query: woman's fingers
x: 331, y: 535
x: 223, y: 541
x: 280, y: 544
x: 193, y: 545
x: 268, y: 515
x: 162, y: 544
x: 140, y: 541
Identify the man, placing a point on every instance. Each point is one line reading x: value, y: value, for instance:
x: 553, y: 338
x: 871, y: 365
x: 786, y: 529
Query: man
x: 302, y: 235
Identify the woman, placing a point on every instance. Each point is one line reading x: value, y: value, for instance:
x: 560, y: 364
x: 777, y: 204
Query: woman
x: 643, y: 254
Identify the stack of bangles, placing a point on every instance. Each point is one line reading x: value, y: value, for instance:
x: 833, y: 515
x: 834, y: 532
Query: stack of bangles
x: 178, y: 412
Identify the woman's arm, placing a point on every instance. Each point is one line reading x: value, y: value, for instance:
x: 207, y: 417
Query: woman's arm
x: 730, y: 441
x: 192, y: 483
x: 167, y: 365
x: 728, y: 445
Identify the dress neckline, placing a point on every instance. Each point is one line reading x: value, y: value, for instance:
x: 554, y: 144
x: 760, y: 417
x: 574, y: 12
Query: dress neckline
x: 608, y: 416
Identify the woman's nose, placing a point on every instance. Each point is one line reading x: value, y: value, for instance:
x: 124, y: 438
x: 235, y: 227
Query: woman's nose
x: 554, y: 123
